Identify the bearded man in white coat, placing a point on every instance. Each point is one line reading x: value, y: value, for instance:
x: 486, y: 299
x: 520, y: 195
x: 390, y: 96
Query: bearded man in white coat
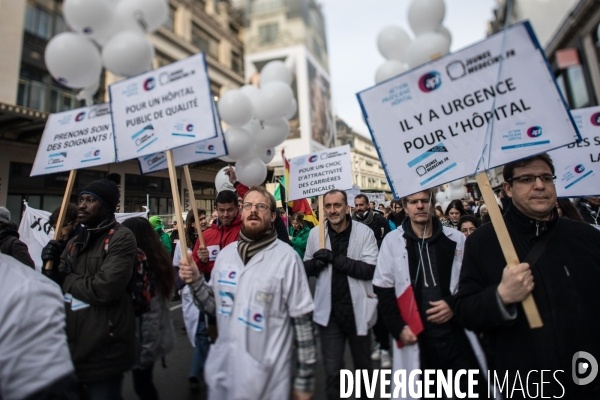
x: 415, y: 280
x: 259, y: 293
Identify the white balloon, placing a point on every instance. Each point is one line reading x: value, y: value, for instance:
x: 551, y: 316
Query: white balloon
x: 289, y: 114
x: 456, y: 184
x: 273, y: 101
x: 92, y: 18
x: 389, y: 69
x: 144, y: 16
x: 446, y: 32
x: 449, y: 193
x: 265, y: 154
x: 271, y: 133
x: 251, y: 171
x: 440, y: 197
x: 275, y: 71
x: 426, y: 47
x: 238, y: 141
x: 445, y: 205
x: 426, y: 15
x: 235, y: 108
x: 392, y: 42
x: 250, y: 90
x: 222, y: 181
x: 459, y: 193
x: 227, y: 159
x: 253, y: 126
x: 128, y: 53
x: 73, y: 60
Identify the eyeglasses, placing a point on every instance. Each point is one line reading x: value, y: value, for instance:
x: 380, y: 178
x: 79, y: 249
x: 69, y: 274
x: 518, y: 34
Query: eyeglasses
x: 414, y: 202
x: 530, y: 179
x: 259, y: 206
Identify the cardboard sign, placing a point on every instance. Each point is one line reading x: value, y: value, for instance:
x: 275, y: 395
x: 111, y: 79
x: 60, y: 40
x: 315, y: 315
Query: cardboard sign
x: 162, y: 109
x: 429, y: 124
x: 75, y: 139
x: 195, y: 152
x: 578, y: 164
x: 317, y: 173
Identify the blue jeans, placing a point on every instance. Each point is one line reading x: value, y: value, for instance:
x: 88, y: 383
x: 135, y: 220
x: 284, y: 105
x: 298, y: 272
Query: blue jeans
x: 108, y: 389
x: 202, y: 344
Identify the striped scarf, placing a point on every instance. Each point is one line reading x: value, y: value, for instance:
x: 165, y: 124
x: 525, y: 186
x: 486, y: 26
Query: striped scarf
x: 248, y: 247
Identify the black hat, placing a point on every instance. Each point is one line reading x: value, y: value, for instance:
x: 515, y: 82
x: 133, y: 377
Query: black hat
x: 104, y: 190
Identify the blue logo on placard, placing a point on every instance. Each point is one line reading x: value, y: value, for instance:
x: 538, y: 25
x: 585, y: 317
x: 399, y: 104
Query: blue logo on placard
x: 189, y: 127
x: 534, y: 132
x: 579, y: 168
x: 149, y: 84
x: 430, y: 81
x: 79, y: 117
x: 313, y: 158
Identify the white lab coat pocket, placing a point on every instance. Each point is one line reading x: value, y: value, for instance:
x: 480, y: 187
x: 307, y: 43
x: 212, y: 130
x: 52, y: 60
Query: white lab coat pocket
x: 252, y: 377
x: 216, y: 369
x: 371, y: 310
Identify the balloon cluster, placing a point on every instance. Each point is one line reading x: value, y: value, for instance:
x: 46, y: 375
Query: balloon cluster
x: 432, y: 40
x: 109, y: 33
x: 454, y: 191
x: 258, y: 120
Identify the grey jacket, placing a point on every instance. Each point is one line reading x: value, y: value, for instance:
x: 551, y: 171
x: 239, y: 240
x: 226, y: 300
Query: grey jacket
x: 155, y: 335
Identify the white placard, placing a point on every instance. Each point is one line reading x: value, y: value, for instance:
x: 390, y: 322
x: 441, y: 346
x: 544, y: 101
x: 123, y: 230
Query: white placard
x: 195, y: 152
x: 317, y: 173
x: 429, y: 125
x: 351, y: 194
x: 578, y: 164
x: 162, y: 109
x: 75, y: 139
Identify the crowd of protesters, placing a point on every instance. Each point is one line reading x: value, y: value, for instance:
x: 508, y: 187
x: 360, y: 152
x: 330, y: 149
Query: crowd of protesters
x: 409, y: 286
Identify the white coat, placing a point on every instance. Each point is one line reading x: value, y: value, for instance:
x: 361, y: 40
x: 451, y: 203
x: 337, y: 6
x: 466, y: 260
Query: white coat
x: 191, y: 313
x: 393, y: 271
x: 363, y: 247
x: 252, y: 357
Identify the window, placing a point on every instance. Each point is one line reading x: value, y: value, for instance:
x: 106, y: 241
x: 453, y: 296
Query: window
x: 170, y: 21
x: 205, y: 42
x: 34, y: 86
x: 369, y: 164
x: 38, y: 22
x: 237, y: 65
x: 577, y: 87
x: 268, y: 33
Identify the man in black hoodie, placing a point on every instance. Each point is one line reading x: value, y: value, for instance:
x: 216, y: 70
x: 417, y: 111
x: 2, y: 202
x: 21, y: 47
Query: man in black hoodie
x: 9, y: 240
x: 564, y: 283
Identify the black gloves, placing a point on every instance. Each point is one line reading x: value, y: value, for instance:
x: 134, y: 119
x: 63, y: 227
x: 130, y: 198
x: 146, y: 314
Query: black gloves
x: 319, y: 265
x: 52, y: 251
x: 325, y: 255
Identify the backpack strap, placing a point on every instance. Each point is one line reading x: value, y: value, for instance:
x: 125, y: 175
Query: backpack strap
x: 110, y: 235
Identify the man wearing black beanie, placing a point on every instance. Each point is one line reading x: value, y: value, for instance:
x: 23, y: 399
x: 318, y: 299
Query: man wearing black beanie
x: 94, y: 279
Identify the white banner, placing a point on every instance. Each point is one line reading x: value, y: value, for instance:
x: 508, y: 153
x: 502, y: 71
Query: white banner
x: 35, y: 231
x: 162, y: 109
x: 429, y: 125
x: 378, y: 198
x: 75, y: 139
x: 578, y: 164
x: 317, y: 173
x: 195, y: 152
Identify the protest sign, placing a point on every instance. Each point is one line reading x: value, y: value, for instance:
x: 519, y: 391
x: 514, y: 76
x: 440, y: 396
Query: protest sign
x: 429, y: 124
x: 578, y: 164
x: 352, y: 193
x: 35, y: 230
x: 162, y: 109
x: 317, y: 173
x: 75, y: 139
x: 378, y: 198
x: 195, y: 152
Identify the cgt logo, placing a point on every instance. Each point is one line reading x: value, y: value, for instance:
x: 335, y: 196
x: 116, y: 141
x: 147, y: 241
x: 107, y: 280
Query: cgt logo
x: 313, y: 158
x: 257, y: 317
x: 189, y: 127
x: 595, y: 119
x: 583, y: 364
x: 430, y: 81
x: 80, y: 117
x: 149, y: 84
x: 232, y: 274
x: 579, y: 168
x: 534, y: 132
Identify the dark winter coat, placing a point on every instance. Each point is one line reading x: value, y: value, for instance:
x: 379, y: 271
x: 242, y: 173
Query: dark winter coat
x: 102, y: 336
x: 378, y: 224
x: 566, y: 277
x: 12, y: 246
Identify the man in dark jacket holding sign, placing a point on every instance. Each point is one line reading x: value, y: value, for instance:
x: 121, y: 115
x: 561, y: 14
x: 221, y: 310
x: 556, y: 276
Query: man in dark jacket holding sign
x: 560, y: 267
x: 99, y: 311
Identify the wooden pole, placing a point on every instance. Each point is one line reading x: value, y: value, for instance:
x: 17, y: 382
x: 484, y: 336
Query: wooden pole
x: 321, y: 223
x: 512, y: 260
x: 188, y: 181
x: 63, y: 211
x: 177, y: 205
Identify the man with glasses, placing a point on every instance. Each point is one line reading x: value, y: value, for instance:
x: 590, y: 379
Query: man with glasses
x: 560, y: 267
x: 415, y: 282
x: 260, y: 295
x: 345, y: 306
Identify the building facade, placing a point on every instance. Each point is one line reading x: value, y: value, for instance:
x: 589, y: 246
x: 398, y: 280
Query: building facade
x: 28, y: 94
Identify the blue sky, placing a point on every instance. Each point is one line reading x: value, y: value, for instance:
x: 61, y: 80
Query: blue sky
x: 352, y: 27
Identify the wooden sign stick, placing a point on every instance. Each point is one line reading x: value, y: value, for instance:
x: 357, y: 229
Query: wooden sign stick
x: 188, y: 181
x: 321, y: 223
x: 177, y: 204
x: 63, y: 211
x: 529, y: 306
